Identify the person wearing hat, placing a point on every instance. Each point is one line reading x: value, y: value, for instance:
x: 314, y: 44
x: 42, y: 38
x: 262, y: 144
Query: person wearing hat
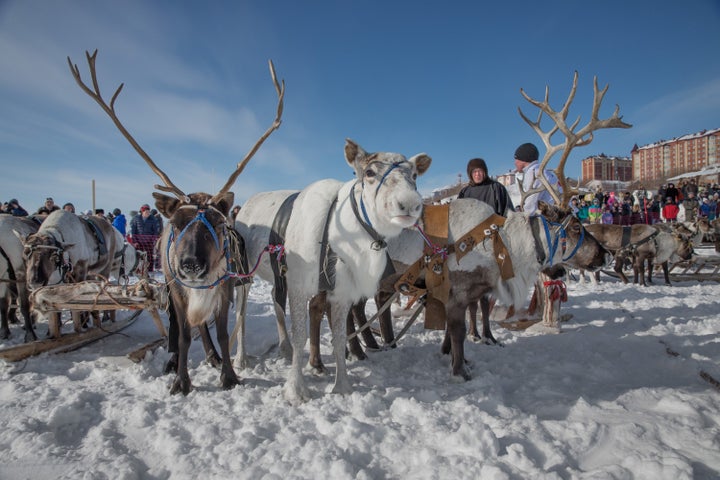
x: 15, y: 209
x: 144, y: 231
x: 49, y: 205
x: 144, y: 223
x: 670, y: 210
x: 527, y: 167
x: 485, y: 189
x: 119, y: 221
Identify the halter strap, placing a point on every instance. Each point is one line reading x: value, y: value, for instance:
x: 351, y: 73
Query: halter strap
x: 378, y: 240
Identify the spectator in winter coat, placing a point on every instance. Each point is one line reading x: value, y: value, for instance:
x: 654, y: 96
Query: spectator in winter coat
x: 692, y: 206
x: 119, y: 221
x: 485, y: 189
x: 527, y: 166
x: 607, y: 216
x: 595, y: 211
x: 672, y: 192
x: 15, y: 209
x: 670, y: 210
x: 708, y: 209
x: 583, y: 212
x: 144, y: 223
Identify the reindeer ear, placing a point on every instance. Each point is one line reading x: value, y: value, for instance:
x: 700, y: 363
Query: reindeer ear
x: 166, y: 205
x: 223, y: 202
x: 354, y: 153
x: 422, y: 162
x: 544, y: 208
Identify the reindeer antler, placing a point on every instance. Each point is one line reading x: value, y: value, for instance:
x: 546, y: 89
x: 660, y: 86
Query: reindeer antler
x: 169, y: 185
x: 572, y: 138
x: 110, y: 110
x: 275, y: 125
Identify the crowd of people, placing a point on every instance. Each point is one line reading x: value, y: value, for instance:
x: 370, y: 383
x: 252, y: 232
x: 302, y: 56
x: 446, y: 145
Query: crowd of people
x: 670, y: 203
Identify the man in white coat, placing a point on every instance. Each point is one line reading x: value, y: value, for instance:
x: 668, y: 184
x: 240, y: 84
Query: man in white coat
x: 527, y: 166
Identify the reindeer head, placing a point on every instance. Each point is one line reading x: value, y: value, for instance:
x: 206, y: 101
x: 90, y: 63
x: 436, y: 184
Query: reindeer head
x: 581, y: 249
x: 387, y: 187
x: 195, y: 239
x: 46, y: 260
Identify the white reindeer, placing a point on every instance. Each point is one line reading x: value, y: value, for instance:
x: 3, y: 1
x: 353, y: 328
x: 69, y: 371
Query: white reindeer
x: 67, y: 249
x: 12, y: 272
x: 330, y: 219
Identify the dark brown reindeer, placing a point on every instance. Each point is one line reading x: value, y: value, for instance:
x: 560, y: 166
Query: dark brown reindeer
x: 199, y: 247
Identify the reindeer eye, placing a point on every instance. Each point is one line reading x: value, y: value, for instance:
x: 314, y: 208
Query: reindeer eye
x: 414, y: 176
x: 369, y: 173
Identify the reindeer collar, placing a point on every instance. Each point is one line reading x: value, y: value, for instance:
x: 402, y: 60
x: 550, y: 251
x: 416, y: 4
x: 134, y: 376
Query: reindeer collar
x: 378, y: 240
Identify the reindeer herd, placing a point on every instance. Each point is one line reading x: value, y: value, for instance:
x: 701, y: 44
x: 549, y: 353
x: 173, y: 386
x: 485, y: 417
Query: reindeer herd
x: 326, y: 249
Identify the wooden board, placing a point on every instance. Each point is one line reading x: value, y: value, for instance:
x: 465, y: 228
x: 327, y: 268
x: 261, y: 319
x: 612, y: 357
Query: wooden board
x: 67, y: 342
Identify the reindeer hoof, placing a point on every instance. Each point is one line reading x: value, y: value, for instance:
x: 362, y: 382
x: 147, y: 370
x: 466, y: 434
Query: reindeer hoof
x: 181, y: 384
x: 295, y: 394
x: 229, y: 381
x: 285, y: 351
x: 30, y: 336
x: 171, y: 366
x: 213, y: 360
x: 462, y: 375
x: 5, y: 334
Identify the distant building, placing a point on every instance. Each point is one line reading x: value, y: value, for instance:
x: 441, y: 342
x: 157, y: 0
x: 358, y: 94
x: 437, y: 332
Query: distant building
x: 606, y: 169
x: 669, y: 158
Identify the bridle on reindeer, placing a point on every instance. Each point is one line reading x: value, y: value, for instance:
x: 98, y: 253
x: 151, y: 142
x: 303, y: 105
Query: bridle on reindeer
x: 169, y: 186
x: 555, y: 236
x: 378, y: 240
x: 63, y: 267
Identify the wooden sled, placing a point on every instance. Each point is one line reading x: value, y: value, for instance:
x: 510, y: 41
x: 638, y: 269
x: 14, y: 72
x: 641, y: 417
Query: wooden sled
x: 66, y: 343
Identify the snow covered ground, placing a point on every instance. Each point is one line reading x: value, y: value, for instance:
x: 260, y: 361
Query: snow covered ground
x: 617, y: 395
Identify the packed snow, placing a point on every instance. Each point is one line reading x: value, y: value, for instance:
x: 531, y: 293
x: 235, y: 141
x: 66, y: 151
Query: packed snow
x: 624, y: 391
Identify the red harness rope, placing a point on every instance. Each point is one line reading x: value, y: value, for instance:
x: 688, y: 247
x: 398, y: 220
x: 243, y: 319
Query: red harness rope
x: 556, y: 290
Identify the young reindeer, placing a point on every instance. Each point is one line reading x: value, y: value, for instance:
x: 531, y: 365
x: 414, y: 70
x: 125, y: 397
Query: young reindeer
x: 199, y: 246
x: 334, y: 241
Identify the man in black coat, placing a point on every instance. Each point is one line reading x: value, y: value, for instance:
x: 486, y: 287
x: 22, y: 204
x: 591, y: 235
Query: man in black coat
x: 485, y: 189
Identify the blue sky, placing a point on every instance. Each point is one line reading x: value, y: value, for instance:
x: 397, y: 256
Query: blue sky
x: 437, y: 77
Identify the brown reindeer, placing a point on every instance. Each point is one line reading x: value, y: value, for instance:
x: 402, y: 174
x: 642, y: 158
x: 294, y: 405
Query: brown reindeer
x: 200, y: 250
x: 640, y: 244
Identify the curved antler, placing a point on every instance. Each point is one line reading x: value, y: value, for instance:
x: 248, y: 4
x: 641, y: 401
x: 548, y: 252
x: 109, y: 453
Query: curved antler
x: 572, y: 138
x: 110, y: 110
x: 275, y: 125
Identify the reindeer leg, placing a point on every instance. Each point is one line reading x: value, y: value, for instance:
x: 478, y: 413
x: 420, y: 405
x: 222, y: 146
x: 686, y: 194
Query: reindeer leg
x: 317, y: 309
x: 456, y: 331
x: 228, y: 378
x: 338, y: 327
x: 666, y: 272
x: 358, y: 313
x: 386, y: 326
x: 354, y: 349
x: 472, y: 310
x: 486, y: 305
x: 241, y: 294
x: 173, y: 342
x: 284, y: 346
x: 23, y: 299
x: 4, y: 315
x: 211, y: 355
x: 295, y: 390
x: 182, y: 383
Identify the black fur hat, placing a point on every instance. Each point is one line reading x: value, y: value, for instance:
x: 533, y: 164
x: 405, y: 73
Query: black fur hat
x: 476, y: 163
x: 527, y: 152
